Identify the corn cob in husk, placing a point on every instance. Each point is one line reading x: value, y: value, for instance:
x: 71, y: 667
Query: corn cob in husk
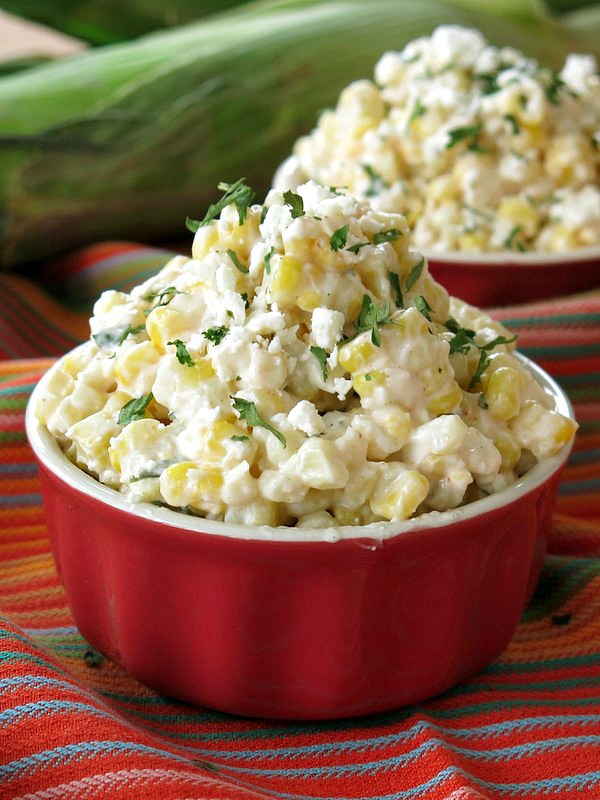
x: 101, y: 22
x: 127, y: 140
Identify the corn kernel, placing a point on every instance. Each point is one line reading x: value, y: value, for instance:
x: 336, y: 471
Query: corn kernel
x: 508, y: 449
x: 503, y: 391
x: 447, y: 402
x: 187, y: 483
x: 135, y: 368
x: 366, y: 382
x: 204, y: 239
x: 309, y: 299
x: 357, y: 353
x: 542, y: 431
x: 285, y: 280
x: 398, y: 492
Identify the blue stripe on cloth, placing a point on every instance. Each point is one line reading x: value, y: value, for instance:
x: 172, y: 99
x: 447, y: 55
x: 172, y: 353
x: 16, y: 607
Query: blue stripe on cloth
x: 28, y: 500
x: 580, y: 487
x: 61, y: 630
x: 20, y: 469
x: 23, y: 388
x: 76, y: 752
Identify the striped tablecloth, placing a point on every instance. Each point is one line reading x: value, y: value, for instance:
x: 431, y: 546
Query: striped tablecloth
x: 74, y: 725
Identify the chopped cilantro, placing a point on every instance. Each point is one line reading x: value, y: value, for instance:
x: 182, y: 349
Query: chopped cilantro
x: 236, y: 438
x: 336, y: 189
x: 237, y: 193
x: 236, y: 262
x: 338, y: 238
x: 371, y: 316
x: 484, y: 360
x: 489, y: 82
x: 512, y: 242
x: 182, y: 353
x: 418, y: 110
x: 387, y: 236
x: 354, y: 248
x: 368, y: 376
x: 423, y: 306
x: 135, y: 409
x: 415, y: 274
x: 472, y: 132
x: 112, y: 337
x: 249, y: 413
x: 321, y: 355
x: 267, y: 260
x: 514, y: 123
x: 295, y: 202
x: 395, y: 281
x: 377, y: 184
x: 216, y: 334
x: 163, y: 298
x: 553, y: 88
x: 244, y: 297
x: 482, y: 402
x: 463, y: 339
x: 263, y: 214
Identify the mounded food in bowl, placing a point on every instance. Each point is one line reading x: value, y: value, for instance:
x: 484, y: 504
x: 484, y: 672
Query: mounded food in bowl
x: 290, y: 476
x: 483, y: 150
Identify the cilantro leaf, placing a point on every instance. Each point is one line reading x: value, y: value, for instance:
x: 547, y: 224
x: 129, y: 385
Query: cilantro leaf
x: 113, y: 337
x: 463, y: 339
x: 321, y: 355
x: 489, y: 81
x: 164, y: 297
x: 377, y: 184
x: 395, y: 281
x: 237, y: 438
x: 182, y: 353
x: 135, y: 409
x: 371, y: 316
x: 295, y: 202
x: 236, y: 262
x: 387, y: 236
x: 244, y: 297
x: 512, y: 241
x: 456, y: 135
x: 553, y: 89
x: 249, y: 413
x: 415, y: 274
x: 338, y: 238
x: 484, y: 360
x: 356, y: 247
x: 423, y: 306
x: 263, y: 213
x: 237, y: 193
x: 418, y: 110
x: 514, y: 123
x: 267, y: 260
x: 216, y: 334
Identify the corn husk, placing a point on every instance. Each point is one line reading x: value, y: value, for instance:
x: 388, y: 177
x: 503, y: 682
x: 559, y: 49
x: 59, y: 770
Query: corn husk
x: 128, y: 140
x: 100, y: 22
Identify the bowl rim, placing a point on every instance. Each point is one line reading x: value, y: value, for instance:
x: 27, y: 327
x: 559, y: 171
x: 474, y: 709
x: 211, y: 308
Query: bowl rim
x: 49, y: 453
x: 502, y: 258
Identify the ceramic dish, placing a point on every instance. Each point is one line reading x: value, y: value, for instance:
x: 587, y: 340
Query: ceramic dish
x: 294, y: 623
x: 499, y: 279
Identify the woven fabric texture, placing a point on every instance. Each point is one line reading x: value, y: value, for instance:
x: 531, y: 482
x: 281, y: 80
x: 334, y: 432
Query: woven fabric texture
x: 74, y: 725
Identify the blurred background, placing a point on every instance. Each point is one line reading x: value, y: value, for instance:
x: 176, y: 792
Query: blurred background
x: 119, y: 117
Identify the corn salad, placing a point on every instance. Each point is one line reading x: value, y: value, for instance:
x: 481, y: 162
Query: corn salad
x: 301, y: 368
x: 481, y: 148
